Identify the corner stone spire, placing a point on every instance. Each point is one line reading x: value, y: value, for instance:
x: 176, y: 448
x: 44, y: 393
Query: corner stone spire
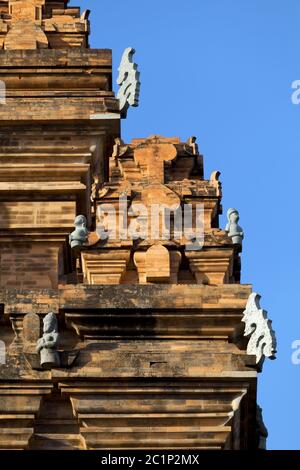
x: 42, y: 24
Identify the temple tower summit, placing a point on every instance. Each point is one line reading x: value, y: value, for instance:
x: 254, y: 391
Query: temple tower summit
x: 128, y: 328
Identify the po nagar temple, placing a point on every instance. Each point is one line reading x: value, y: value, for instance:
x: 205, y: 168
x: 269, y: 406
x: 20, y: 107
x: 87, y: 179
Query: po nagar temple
x: 150, y: 344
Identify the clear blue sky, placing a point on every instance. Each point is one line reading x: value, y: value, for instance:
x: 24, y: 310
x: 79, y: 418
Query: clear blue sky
x: 222, y: 70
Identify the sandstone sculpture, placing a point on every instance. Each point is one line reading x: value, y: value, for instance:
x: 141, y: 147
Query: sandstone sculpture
x: 47, y: 345
x: 235, y: 232
x: 80, y: 234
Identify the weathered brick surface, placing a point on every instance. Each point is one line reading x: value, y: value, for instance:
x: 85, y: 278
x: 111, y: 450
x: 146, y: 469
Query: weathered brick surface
x: 29, y: 265
x: 29, y: 300
x: 38, y: 214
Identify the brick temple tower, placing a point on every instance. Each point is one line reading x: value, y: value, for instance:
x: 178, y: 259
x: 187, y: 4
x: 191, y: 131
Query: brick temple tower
x: 154, y: 349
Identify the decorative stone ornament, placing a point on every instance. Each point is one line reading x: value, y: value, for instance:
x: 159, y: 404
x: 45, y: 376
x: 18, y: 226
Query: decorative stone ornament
x: 235, y: 232
x: 47, y: 345
x: 129, y: 82
x: 262, y: 340
x: 80, y: 234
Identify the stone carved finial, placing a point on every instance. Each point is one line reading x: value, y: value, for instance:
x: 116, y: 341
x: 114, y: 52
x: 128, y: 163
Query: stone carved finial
x: 235, y: 232
x: 215, y: 181
x: 129, y: 82
x: 47, y: 345
x: 80, y: 234
x: 85, y: 15
x: 262, y: 340
x: 191, y: 146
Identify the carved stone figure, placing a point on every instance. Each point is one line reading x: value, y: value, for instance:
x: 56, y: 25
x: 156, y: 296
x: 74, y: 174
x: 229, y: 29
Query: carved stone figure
x: 262, y: 340
x: 47, y: 345
x: 191, y: 146
x: 80, y: 234
x: 129, y: 82
x: 235, y: 232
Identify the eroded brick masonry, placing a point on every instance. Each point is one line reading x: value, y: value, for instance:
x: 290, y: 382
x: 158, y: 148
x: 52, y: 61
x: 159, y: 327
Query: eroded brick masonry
x: 151, y: 338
